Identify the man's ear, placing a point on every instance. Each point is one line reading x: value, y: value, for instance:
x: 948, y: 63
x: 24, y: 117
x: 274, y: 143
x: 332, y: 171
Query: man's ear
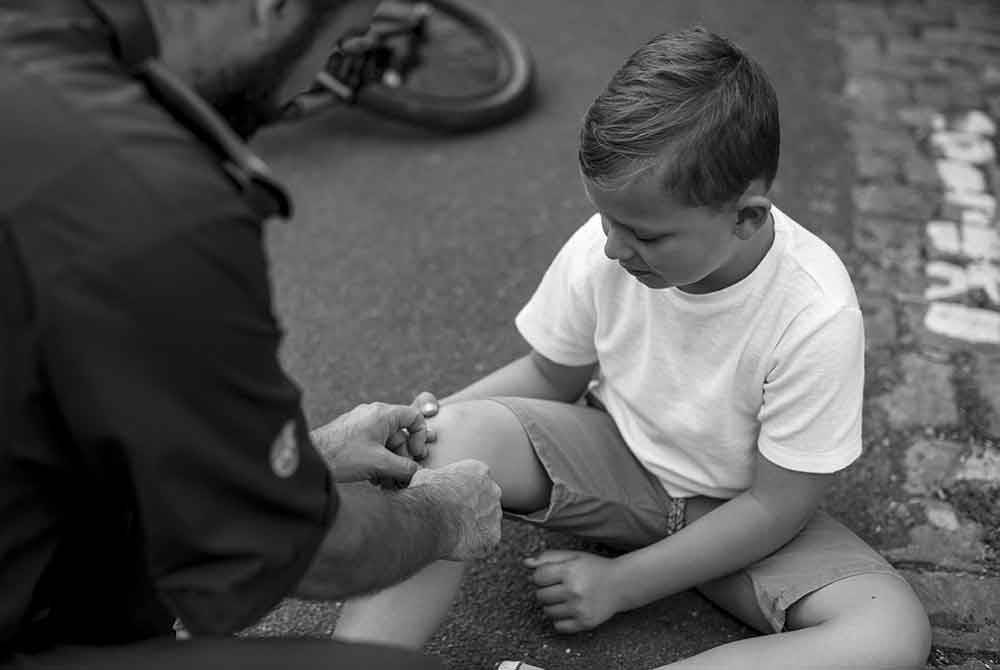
x: 752, y: 210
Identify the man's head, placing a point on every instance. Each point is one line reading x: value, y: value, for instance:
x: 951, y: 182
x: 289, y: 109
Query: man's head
x: 678, y: 154
x: 247, y: 57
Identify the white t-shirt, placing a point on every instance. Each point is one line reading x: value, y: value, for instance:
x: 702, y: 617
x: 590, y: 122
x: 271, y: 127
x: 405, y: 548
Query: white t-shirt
x: 698, y: 383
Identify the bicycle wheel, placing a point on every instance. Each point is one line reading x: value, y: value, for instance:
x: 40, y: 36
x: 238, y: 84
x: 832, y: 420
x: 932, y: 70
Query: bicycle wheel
x: 473, y: 72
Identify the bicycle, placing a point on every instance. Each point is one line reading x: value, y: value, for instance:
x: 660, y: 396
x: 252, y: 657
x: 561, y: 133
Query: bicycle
x: 442, y: 64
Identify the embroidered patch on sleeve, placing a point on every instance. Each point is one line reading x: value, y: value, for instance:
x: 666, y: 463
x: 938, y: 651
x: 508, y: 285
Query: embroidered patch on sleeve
x: 285, y: 452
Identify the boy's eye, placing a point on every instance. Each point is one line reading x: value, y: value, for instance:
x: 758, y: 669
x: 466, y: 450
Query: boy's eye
x: 607, y: 223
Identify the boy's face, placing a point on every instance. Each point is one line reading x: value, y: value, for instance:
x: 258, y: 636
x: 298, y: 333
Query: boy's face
x: 664, y: 243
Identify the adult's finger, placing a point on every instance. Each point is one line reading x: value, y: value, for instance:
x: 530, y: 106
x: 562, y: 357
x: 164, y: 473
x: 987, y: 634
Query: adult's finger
x: 416, y: 438
x: 400, y: 416
x: 394, y: 468
x: 427, y: 403
x: 392, y: 419
x: 397, y: 442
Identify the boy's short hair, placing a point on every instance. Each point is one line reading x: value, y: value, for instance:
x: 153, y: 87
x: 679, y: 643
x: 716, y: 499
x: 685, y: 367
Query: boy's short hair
x: 697, y: 95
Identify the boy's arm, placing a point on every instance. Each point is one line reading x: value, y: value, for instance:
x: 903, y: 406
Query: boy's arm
x: 531, y: 376
x: 734, y: 535
x: 581, y: 590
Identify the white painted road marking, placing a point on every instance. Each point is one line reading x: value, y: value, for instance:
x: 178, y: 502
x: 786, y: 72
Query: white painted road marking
x: 965, y: 323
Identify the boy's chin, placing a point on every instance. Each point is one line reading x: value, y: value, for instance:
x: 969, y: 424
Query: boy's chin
x: 653, y: 280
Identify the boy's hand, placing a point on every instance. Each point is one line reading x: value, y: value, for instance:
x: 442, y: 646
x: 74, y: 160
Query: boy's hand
x: 576, y: 589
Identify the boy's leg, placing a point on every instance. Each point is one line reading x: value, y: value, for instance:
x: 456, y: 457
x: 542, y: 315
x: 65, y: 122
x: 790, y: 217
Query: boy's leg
x: 867, y: 619
x: 410, y: 612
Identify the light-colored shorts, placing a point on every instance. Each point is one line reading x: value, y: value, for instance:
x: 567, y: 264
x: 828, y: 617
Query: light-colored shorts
x: 600, y: 492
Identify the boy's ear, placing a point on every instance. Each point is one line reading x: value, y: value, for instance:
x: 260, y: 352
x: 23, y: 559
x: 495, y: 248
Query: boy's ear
x: 752, y: 210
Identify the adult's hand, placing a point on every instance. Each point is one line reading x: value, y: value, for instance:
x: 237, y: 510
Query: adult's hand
x: 376, y: 442
x: 428, y: 404
x: 466, y: 491
x: 450, y: 513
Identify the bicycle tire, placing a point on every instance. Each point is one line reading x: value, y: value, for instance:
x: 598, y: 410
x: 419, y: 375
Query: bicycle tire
x: 510, y: 95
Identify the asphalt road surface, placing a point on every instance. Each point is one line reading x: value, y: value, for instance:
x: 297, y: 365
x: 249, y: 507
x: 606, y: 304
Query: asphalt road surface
x: 411, y: 253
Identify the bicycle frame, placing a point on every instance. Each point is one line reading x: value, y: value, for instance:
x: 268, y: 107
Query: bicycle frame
x: 386, y: 52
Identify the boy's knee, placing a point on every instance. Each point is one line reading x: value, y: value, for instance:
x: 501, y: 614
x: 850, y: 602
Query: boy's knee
x: 897, y: 623
x: 449, y: 428
x: 464, y: 430
x: 914, y: 628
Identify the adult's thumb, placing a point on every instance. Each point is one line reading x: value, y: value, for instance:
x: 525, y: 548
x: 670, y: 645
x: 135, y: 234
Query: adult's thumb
x: 427, y: 403
x: 396, y: 468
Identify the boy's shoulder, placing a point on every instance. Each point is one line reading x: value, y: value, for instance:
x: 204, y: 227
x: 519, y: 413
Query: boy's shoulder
x: 809, y: 268
x: 587, y: 240
x: 582, y: 255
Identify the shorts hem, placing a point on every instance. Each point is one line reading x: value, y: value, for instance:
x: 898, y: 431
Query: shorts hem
x: 559, y: 488
x: 775, y: 613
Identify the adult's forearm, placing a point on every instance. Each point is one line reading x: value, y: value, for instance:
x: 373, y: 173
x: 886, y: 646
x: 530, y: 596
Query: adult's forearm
x: 729, y: 538
x: 377, y: 539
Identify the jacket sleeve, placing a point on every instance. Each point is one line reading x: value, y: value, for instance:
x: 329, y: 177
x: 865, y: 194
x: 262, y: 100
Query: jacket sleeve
x: 165, y: 365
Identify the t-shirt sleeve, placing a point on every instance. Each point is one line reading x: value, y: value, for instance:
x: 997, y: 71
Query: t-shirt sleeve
x: 165, y: 366
x: 811, y: 413
x: 559, y: 319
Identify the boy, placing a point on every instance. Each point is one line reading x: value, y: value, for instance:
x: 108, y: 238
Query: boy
x: 727, y: 352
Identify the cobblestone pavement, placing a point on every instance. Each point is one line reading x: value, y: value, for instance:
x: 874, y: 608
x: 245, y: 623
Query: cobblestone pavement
x: 922, y: 79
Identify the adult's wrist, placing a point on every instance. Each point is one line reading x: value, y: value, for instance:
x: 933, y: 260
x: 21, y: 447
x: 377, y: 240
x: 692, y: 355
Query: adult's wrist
x: 441, y: 516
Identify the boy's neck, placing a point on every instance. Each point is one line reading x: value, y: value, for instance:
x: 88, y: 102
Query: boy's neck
x: 743, y: 263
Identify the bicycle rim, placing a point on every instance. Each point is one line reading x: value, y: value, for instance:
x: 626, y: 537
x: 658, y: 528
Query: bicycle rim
x: 476, y: 73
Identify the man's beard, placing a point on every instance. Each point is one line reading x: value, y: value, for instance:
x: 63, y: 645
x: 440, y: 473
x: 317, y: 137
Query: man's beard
x: 246, y: 95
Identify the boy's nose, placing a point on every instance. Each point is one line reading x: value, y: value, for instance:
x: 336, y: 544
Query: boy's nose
x: 615, y: 247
